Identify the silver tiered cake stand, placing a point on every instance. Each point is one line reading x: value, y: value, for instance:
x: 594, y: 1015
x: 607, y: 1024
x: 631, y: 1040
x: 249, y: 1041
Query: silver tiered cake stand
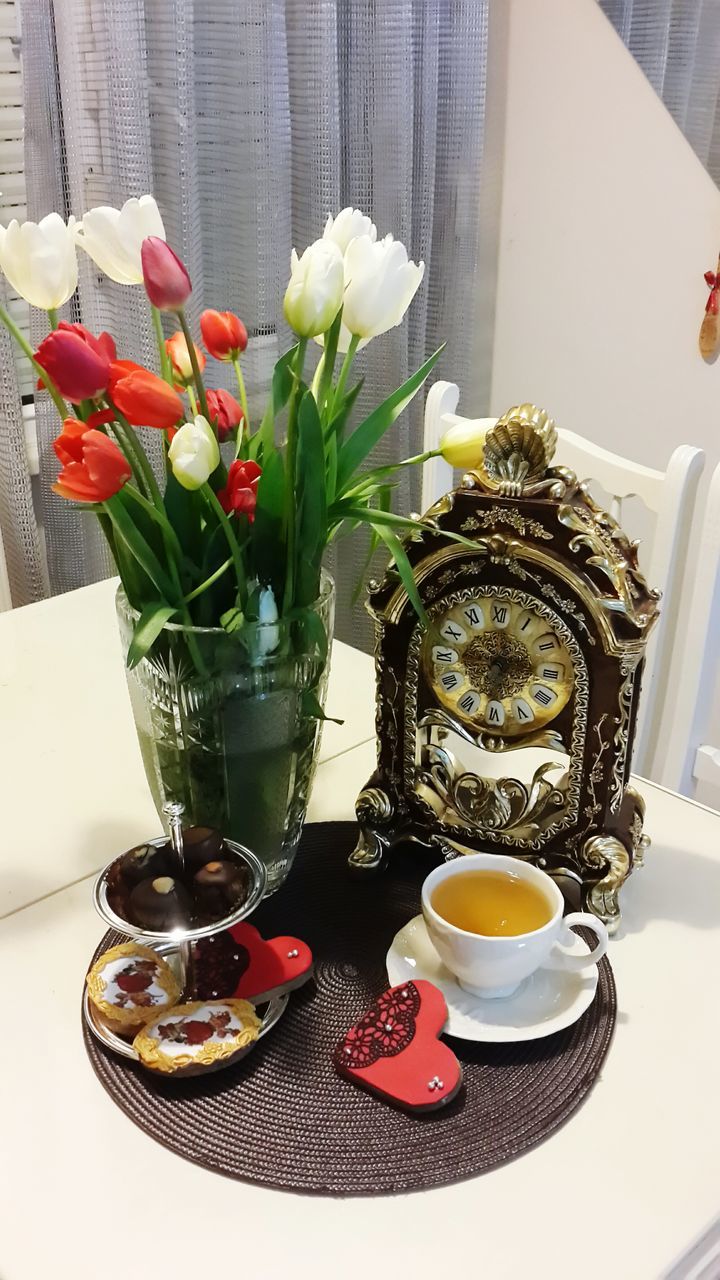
x: 175, y: 945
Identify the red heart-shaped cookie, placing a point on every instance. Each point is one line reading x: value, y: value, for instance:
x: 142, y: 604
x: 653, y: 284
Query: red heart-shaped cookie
x: 394, y: 1050
x: 242, y: 965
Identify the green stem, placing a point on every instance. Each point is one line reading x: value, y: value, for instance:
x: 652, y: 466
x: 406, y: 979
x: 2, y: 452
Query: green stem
x: 317, y: 378
x: 25, y: 347
x: 121, y: 437
x: 138, y: 457
x: 165, y: 366
x: 214, y: 503
x: 53, y: 317
x: 291, y: 466
x: 209, y: 582
x: 243, y: 394
x: 345, y: 370
x: 160, y: 517
x: 193, y: 402
x: 195, y: 366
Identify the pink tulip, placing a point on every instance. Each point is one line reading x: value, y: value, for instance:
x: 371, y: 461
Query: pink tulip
x: 167, y: 283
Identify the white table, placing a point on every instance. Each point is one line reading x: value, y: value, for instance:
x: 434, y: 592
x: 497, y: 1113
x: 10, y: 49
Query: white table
x: 627, y: 1186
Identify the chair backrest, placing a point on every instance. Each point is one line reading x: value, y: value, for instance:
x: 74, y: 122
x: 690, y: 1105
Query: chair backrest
x: 690, y: 758
x: 669, y: 495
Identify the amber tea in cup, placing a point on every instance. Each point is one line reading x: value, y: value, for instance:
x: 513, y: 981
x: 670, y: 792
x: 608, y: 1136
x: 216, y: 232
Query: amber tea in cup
x: 495, y: 904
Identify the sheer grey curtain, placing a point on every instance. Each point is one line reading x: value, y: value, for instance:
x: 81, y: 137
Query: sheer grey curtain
x: 677, y: 44
x: 251, y: 120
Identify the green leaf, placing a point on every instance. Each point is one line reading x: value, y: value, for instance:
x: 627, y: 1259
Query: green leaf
x: 232, y: 620
x: 345, y: 408
x: 311, y: 525
x: 183, y: 510
x: 310, y: 706
x: 147, y: 629
x: 404, y: 568
x: 344, y: 510
x: 262, y: 442
x: 126, y: 529
x: 313, y: 632
x: 331, y: 460
x: 328, y: 358
x: 366, y: 436
x: 267, y: 536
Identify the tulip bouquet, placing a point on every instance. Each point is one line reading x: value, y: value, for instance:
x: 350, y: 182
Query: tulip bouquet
x: 230, y: 538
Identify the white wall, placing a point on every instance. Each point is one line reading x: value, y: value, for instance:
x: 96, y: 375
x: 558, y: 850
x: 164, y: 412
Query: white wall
x: 608, y: 223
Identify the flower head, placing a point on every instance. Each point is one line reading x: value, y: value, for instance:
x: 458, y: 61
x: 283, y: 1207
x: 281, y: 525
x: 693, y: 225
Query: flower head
x: 315, y: 292
x: 225, y: 412
x: 240, y: 493
x: 194, y: 453
x: 348, y: 225
x: 462, y: 445
x: 381, y: 284
x: 113, y: 237
x: 177, y: 349
x: 94, y: 469
x: 39, y: 260
x: 224, y: 334
x: 166, y: 280
x: 77, y: 361
x: 143, y: 398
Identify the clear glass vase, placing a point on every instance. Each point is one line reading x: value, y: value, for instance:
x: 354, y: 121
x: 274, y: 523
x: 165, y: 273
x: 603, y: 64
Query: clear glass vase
x: 230, y: 724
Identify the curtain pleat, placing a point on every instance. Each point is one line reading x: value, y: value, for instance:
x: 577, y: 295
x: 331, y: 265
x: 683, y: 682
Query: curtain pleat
x: 250, y: 121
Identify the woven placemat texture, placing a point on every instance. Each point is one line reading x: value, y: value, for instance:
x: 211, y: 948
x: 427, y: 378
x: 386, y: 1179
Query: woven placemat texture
x: 282, y: 1117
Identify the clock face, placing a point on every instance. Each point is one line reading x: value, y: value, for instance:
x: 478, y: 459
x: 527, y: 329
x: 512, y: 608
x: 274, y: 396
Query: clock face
x: 497, y: 665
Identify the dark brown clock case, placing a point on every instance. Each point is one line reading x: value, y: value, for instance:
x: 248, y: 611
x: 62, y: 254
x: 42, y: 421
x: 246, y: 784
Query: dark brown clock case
x: 536, y: 541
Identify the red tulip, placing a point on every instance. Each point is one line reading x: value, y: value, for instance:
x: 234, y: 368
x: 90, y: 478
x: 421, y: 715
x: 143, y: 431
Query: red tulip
x: 77, y: 362
x: 177, y: 349
x: 225, y: 412
x: 144, y: 399
x: 120, y: 369
x: 94, y: 469
x: 224, y: 335
x: 240, y: 493
x: 167, y: 283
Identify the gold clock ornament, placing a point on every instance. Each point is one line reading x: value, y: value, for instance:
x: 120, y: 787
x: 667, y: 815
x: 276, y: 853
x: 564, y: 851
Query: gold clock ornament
x: 506, y: 723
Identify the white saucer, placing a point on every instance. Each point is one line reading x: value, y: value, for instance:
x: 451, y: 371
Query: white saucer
x: 549, y: 1000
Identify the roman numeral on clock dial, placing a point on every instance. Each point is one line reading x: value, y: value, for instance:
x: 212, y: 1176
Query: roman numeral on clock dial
x: 522, y: 711
x: 499, y: 614
x: 495, y: 713
x: 469, y: 703
x: 474, y: 616
x: 444, y: 656
x: 451, y: 681
x: 542, y: 695
x: 451, y: 630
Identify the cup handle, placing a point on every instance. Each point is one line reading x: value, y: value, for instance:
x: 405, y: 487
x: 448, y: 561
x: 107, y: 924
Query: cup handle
x: 566, y: 938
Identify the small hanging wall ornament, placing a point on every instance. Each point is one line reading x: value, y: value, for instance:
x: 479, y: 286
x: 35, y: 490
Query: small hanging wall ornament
x: 710, y: 327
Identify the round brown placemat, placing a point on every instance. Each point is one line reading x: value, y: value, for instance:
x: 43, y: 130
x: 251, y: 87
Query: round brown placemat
x: 284, y: 1118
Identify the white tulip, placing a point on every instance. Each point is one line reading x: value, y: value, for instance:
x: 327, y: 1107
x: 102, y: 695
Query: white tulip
x: 314, y: 294
x: 194, y: 453
x: 380, y: 285
x: 39, y: 260
x: 346, y: 226
x: 113, y: 237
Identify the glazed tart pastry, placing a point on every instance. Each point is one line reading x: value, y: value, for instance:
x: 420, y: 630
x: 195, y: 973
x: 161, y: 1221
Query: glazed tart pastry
x: 130, y: 985
x: 195, y: 1037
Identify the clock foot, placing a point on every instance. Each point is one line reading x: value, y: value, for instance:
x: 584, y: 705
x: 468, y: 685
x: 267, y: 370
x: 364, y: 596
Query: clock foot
x: 373, y: 809
x: 602, y: 898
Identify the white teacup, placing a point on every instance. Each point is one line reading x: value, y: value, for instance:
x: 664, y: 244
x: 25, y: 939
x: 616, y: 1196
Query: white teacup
x: 495, y: 966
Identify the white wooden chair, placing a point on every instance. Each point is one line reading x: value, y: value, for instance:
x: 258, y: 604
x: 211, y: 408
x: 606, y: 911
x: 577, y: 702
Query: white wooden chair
x: 689, y: 758
x: 669, y: 495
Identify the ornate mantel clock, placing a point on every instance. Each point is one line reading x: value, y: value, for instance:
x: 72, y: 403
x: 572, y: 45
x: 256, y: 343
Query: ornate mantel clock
x: 532, y: 662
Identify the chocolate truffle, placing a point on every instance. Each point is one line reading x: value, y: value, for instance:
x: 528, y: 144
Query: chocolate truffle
x: 201, y: 845
x: 146, y: 862
x: 219, y: 887
x: 162, y: 903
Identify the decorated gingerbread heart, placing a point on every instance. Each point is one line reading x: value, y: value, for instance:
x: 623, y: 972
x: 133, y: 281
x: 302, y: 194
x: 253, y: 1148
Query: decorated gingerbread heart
x: 394, y: 1050
x: 243, y: 965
